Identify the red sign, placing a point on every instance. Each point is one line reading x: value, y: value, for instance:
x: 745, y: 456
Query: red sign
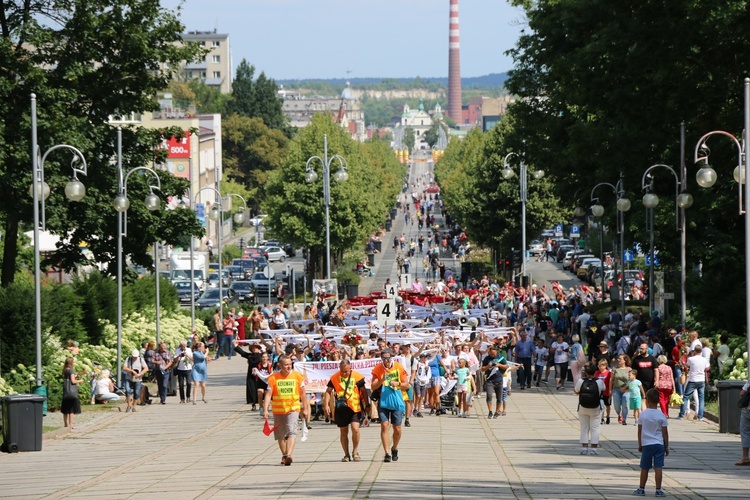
x: 179, y: 148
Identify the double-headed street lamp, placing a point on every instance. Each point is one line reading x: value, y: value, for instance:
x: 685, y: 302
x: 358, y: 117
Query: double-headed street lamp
x: 623, y: 205
x: 39, y: 191
x: 121, y: 204
x: 507, y: 173
x: 707, y: 177
x: 341, y: 176
x: 683, y: 200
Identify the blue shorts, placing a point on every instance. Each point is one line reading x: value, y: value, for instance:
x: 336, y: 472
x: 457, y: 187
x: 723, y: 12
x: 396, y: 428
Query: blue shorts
x: 133, y: 388
x: 505, y: 395
x: 394, y: 416
x: 652, y: 454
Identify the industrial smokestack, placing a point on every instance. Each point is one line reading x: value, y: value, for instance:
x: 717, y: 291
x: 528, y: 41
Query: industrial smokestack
x: 454, y: 66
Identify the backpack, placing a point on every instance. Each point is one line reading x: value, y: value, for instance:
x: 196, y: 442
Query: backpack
x: 589, y: 396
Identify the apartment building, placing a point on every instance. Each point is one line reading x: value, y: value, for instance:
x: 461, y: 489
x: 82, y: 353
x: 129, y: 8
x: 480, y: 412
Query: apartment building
x: 216, y: 67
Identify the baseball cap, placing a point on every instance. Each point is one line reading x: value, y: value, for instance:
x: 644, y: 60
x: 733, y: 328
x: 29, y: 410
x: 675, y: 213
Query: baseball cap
x: 135, y: 353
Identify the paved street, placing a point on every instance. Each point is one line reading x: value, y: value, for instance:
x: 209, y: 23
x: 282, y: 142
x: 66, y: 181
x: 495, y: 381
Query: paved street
x: 217, y: 450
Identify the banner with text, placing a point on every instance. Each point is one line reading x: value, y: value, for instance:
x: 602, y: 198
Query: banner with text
x: 317, y: 373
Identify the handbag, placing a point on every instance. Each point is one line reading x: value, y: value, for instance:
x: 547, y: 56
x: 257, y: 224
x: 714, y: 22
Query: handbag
x: 683, y: 378
x: 341, y: 402
x: 70, y: 390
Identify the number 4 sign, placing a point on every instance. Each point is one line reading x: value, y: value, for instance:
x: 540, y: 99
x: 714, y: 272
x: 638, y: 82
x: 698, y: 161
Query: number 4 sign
x: 405, y: 281
x: 386, y: 312
x: 390, y: 291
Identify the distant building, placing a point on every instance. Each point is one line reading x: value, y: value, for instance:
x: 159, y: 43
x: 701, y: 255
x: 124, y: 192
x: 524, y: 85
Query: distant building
x: 344, y: 110
x: 471, y: 114
x: 493, y: 109
x: 418, y: 120
x: 216, y: 68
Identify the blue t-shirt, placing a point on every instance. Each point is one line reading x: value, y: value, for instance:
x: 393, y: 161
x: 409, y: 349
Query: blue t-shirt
x: 462, y: 374
x: 494, y: 374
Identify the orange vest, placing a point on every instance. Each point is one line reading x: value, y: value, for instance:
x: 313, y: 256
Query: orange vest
x: 350, y: 385
x: 286, y: 392
x: 396, y: 373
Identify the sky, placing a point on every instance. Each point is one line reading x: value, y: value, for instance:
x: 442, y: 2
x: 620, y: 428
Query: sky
x: 302, y: 39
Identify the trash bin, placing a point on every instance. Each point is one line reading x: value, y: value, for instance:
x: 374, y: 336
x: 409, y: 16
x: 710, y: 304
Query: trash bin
x: 729, y: 414
x: 370, y: 259
x: 41, y: 390
x: 22, y: 422
x: 352, y: 291
x: 394, y: 213
x: 388, y: 224
x: 378, y: 245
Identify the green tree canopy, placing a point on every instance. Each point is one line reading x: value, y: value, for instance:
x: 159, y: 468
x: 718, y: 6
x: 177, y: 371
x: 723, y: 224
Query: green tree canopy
x: 85, y: 61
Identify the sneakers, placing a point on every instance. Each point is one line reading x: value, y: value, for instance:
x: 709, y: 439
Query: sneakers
x: 128, y: 409
x: 593, y: 451
x: 640, y: 492
x: 489, y: 415
x: 394, y: 453
x: 584, y: 451
x: 419, y: 414
x: 387, y: 458
x: 660, y: 493
x: 407, y: 423
x: 432, y: 411
x: 496, y: 415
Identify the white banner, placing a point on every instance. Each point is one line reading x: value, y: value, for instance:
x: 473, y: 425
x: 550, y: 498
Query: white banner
x: 318, y: 373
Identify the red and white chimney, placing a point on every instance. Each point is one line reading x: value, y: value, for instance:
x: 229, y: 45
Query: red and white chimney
x: 454, y: 66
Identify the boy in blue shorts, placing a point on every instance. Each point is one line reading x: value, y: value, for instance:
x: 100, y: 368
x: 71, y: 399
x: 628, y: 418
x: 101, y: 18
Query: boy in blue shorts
x: 653, y: 442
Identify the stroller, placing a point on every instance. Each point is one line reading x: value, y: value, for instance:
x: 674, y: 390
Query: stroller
x: 448, y: 397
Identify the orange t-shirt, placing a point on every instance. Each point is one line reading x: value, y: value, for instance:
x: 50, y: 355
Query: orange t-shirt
x: 286, y: 392
x: 348, y: 389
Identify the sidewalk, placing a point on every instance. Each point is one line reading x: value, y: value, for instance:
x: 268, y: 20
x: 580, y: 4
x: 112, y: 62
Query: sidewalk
x: 217, y: 450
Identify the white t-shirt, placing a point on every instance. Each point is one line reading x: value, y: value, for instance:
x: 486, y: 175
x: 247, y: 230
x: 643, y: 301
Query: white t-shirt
x: 697, y: 369
x: 583, y: 320
x: 102, y: 387
x: 559, y: 350
x: 541, y: 353
x: 652, y: 421
x: 723, y: 354
x: 695, y: 343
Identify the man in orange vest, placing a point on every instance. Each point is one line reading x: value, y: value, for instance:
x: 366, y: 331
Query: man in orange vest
x: 289, y: 401
x: 348, y: 389
x: 394, y: 381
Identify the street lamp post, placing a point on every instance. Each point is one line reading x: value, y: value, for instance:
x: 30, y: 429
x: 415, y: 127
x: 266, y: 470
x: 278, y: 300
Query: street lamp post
x: 623, y: 205
x: 121, y: 204
x: 683, y: 200
x: 39, y: 190
x: 507, y: 173
x: 706, y: 178
x: 341, y: 176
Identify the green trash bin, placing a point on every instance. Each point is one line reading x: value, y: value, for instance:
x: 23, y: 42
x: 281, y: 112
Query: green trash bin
x: 41, y: 390
x: 729, y: 413
x: 22, y: 422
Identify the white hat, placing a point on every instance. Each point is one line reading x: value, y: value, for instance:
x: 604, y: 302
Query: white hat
x: 136, y: 353
x: 240, y: 314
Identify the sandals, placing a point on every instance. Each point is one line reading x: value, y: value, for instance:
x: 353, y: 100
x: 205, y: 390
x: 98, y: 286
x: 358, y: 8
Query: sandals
x: 346, y: 458
x: 745, y: 462
x: 355, y: 457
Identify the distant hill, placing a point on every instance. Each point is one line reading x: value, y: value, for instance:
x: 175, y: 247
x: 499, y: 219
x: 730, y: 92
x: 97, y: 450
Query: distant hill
x: 493, y: 80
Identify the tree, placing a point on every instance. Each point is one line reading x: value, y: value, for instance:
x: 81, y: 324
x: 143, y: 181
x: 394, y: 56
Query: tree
x: 602, y: 89
x: 85, y: 61
x: 205, y: 98
x: 251, y: 151
x: 243, y: 102
x: 295, y: 208
x: 258, y: 99
x: 409, y: 139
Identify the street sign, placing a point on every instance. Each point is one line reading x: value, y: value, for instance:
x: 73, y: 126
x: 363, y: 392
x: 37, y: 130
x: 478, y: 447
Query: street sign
x: 628, y: 256
x: 405, y: 281
x: 390, y: 291
x: 638, y: 248
x: 575, y: 231
x: 268, y: 272
x: 386, y: 311
x: 656, y: 259
x: 558, y: 230
x: 665, y: 296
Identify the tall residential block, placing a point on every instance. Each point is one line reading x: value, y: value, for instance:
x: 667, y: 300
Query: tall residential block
x: 454, y: 66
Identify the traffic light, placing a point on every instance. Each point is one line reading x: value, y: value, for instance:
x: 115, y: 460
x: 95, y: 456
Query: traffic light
x: 516, y: 259
x: 242, y: 243
x: 506, y: 267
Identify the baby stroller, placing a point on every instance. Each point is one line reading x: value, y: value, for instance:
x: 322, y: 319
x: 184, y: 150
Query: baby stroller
x: 448, y: 396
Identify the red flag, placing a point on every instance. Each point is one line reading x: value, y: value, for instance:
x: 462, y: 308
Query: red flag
x: 267, y: 429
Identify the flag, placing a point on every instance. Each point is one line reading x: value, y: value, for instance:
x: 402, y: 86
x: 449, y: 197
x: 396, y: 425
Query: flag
x: 267, y: 429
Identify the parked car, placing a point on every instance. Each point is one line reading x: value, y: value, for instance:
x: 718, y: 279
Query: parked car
x: 210, y: 298
x: 243, y: 292
x: 262, y: 285
x: 235, y: 272
x: 570, y: 256
x: 213, y: 266
x: 583, y: 269
x: 274, y: 253
x: 578, y: 260
x: 536, y: 247
x: 213, y: 279
x: 248, y: 266
x: 184, y: 290
x: 252, y: 252
x: 561, y: 251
